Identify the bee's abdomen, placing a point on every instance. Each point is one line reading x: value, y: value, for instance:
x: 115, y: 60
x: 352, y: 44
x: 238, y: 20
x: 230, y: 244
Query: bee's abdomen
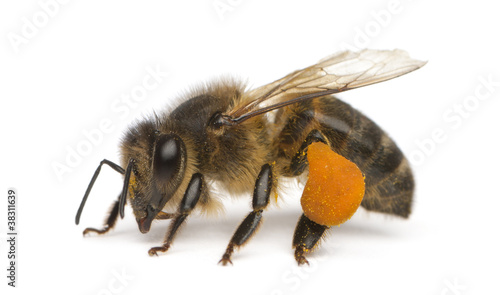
x: 389, y: 180
x: 388, y: 177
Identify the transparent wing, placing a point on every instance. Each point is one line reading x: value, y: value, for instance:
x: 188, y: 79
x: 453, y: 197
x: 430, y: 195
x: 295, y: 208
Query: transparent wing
x: 336, y: 73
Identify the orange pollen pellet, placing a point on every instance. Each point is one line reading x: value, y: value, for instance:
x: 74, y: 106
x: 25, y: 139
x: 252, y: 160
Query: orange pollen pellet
x: 334, y: 189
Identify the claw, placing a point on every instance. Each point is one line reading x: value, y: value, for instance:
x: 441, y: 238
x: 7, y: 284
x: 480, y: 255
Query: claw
x: 301, y: 260
x: 299, y: 256
x: 225, y: 260
x: 93, y: 230
x: 154, y: 251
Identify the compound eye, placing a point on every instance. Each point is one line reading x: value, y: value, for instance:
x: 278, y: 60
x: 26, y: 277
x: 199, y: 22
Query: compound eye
x: 168, y: 157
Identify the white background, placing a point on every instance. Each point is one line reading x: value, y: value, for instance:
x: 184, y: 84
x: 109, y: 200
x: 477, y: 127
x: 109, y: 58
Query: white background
x: 62, y: 77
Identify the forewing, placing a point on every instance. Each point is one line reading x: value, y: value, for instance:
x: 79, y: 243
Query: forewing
x: 339, y: 72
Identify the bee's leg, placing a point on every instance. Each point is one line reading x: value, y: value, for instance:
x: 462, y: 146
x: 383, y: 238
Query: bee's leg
x: 299, y: 162
x: 262, y: 190
x: 109, y: 223
x: 164, y: 216
x: 307, y: 234
x: 193, y: 192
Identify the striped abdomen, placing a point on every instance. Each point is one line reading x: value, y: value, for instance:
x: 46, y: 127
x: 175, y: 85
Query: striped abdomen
x: 388, y: 177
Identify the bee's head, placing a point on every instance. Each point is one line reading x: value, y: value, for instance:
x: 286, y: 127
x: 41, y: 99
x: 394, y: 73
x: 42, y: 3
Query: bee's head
x: 158, y: 167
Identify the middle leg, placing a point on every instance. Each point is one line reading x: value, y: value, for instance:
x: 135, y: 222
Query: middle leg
x: 248, y: 226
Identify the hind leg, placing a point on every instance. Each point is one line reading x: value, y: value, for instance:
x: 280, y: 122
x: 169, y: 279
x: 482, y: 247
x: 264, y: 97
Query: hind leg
x: 306, y: 236
x: 333, y: 192
x: 307, y: 232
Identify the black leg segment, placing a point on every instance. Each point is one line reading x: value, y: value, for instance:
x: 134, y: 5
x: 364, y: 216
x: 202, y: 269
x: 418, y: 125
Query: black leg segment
x: 248, y: 226
x: 191, y: 196
x: 263, y: 187
x: 307, y: 234
x: 299, y: 162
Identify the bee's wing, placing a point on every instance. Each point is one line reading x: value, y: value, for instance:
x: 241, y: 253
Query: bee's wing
x: 339, y: 72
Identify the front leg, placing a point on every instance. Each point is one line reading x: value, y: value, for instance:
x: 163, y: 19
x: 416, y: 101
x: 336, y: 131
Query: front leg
x: 191, y: 196
x: 108, y: 224
x: 262, y: 191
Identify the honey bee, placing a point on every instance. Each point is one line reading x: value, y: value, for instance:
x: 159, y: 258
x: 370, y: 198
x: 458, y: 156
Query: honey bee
x: 245, y: 140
